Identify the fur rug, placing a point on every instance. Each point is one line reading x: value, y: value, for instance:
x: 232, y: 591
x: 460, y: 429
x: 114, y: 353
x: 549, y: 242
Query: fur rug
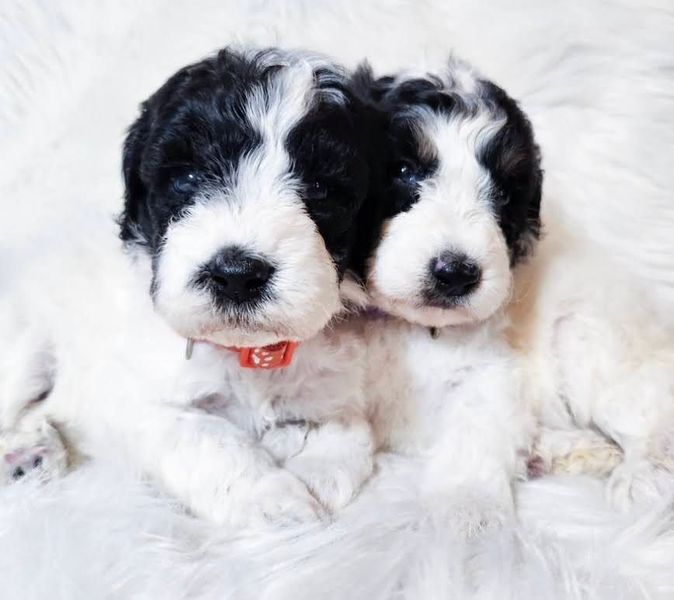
x: 595, y: 77
x: 99, y: 533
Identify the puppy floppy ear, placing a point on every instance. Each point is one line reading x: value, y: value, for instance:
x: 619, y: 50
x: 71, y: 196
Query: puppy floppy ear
x: 370, y: 91
x: 134, y: 220
x: 514, y: 160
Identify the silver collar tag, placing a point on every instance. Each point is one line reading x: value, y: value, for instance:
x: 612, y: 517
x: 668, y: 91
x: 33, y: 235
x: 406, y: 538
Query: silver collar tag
x: 188, y: 348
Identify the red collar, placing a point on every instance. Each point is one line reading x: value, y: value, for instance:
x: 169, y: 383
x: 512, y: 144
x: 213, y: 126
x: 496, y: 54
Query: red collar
x: 274, y: 356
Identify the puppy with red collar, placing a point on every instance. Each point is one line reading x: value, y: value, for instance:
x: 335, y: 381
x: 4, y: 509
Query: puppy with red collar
x: 459, y: 209
x: 211, y: 351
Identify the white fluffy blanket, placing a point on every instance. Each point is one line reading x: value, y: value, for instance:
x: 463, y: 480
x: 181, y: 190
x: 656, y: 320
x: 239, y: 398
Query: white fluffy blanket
x: 596, y: 78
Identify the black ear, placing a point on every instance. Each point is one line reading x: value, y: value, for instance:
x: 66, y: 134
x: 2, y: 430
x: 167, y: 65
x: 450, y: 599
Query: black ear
x: 133, y: 221
x: 521, y: 215
x: 514, y: 161
x: 369, y: 92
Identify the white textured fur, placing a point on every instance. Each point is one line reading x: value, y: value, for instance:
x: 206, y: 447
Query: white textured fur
x: 454, y: 402
x: 596, y: 80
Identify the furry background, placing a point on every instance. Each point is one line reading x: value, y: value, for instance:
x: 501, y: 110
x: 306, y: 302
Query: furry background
x: 597, y: 79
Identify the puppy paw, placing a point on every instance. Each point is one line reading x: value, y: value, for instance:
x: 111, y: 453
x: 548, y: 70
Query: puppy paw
x: 332, y: 484
x: 599, y: 461
x: 573, y: 452
x: 537, y: 466
x: 280, y: 499
x: 32, y: 452
x: 286, y: 440
x: 632, y: 482
x: 469, y: 515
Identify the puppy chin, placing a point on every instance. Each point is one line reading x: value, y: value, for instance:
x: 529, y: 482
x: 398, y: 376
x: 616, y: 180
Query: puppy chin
x: 261, y: 335
x: 223, y: 334
x: 426, y: 316
x: 244, y: 339
x: 246, y: 335
x: 414, y: 311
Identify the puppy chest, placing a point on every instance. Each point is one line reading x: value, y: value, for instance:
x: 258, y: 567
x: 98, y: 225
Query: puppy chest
x: 414, y: 381
x: 310, y: 389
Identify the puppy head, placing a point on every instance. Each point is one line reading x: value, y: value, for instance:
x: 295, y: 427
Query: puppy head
x: 459, y: 202
x: 244, y: 174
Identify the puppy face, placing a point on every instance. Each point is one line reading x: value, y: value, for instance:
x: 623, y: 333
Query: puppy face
x: 244, y: 175
x: 459, y: 203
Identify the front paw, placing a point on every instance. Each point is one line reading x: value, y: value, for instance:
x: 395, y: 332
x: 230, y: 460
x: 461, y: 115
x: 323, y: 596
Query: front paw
x: 286, y: 440
x: 469, y: 514
x: 333, y: 484
x: 280, y: 499
x: 633, y: 481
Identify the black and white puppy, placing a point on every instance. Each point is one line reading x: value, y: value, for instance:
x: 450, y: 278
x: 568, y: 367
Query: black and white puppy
x: 244, y: 176
x: 459, y: 208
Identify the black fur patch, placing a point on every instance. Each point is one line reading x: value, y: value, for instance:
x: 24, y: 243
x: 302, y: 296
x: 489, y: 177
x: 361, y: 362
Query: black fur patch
x: 329, y: 153
x: 514, y: 162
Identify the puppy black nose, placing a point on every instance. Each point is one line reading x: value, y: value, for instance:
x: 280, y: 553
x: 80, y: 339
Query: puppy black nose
x: 455, y: 274
x: 237, y: 276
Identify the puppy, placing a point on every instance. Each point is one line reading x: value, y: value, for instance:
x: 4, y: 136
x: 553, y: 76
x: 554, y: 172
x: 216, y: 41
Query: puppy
x: 459, y: 209
x: 244, y: 175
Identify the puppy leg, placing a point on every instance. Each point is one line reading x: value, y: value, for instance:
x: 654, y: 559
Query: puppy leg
x: 626, y: 389
x: 335, y: 461
x: 632, y: 413
x: 634, y: 479
x: 27, y: 367
x: 484, y: 437
x: 29, y: 445
x: 216, y: 470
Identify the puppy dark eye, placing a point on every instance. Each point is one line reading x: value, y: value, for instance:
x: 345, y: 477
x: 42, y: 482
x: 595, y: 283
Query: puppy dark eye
x: 185, y: 183
x: 407, y: 173
x: 316, y: 190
